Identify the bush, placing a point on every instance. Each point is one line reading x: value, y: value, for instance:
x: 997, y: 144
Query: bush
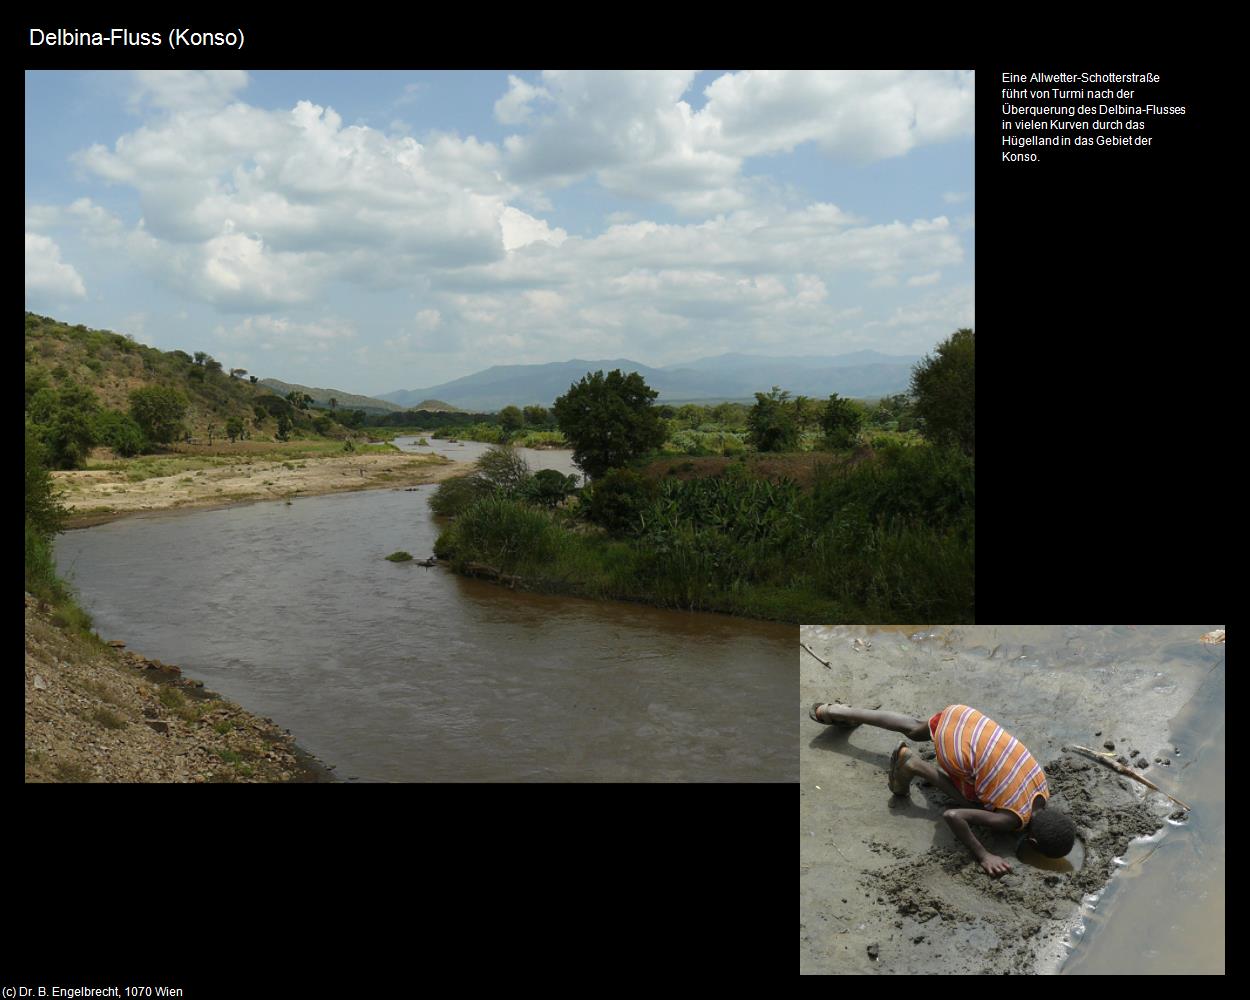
x: 506, y: 534
x: 616, y: 500
x: 549, y: 488
x: 400, y: 556
x: 44, y: 513
x: 120, y: 432
x: 453, y: 495
x: 924, y: 484
x: 503, y: 468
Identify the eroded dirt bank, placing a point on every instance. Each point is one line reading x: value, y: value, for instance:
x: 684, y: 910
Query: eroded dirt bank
x: 100, y: 714
x: 883, y: 885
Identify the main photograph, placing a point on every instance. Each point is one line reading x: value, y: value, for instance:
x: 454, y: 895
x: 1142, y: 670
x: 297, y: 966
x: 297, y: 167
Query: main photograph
x: 482, y: 425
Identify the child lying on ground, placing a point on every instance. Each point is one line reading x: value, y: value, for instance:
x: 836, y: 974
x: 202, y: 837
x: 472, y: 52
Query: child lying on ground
x: 981, y: 764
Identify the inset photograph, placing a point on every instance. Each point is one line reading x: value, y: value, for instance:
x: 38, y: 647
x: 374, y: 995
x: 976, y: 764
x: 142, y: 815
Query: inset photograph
x: 1011, y: 799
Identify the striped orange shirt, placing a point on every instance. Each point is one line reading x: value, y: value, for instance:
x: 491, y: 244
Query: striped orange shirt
x: 977, y: 752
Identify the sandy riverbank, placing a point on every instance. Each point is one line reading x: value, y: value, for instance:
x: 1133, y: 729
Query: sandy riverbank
x: 884, y: 887
x: 93, y: 497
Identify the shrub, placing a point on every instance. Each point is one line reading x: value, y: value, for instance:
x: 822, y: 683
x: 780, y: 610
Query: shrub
x: 549, y: 488
x: 506, y: 534
x: 400, y: 556
x: 453, y: 495
x: 120, y: 432
x: 616, y: 500
x: 503, y: 468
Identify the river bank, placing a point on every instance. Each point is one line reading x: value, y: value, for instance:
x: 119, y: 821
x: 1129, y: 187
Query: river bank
x: 100, y: 713
x: 884, y: 887
x: 97, y: 496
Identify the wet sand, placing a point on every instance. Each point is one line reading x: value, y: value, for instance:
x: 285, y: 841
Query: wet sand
x: 883, y: 885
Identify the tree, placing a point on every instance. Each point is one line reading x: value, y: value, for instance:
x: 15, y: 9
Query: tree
x: 237, y: 372
x: 252, y: 379
x: 504, y: 468
x: 609, y: 420
x: 945, y: 389
x: 772, y: 424
x: 200, y: 356
x: 234, y: 428
x: 841, y: 421
x: 510, y: 419
x: 44, y: 513
x: 536, y: 416
x: 284, y: 427
x: 158, y: 410
x: 67, y: 423
x: 300, y: 400
x: 334, y: 402
x: 120, y: 432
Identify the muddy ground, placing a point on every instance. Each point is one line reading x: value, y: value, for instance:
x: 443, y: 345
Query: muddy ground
x: 884, y: 887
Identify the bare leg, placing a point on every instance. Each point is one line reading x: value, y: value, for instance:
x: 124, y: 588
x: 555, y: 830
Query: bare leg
x: 908, y: 725
x: 914, y: 766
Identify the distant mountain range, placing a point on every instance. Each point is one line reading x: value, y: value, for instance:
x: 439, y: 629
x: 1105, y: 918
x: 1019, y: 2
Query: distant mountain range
x: 350, y: 401
x: 726, y: 376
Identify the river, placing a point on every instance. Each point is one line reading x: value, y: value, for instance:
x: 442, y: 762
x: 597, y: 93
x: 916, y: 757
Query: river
x: 397, y: 672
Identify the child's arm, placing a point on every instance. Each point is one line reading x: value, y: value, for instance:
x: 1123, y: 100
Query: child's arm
x: 959, y: 820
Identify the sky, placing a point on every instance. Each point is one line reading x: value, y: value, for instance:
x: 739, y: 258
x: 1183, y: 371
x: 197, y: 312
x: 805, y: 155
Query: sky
x: 374, y: 231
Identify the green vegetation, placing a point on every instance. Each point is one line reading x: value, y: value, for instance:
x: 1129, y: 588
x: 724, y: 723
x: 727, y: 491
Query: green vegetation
x: 400, y: 556
x: 609, y: 420
x: 884, y: 535
x: 945, y: 389
x: 773, y: 424
x: 158, y: 410
x: 747, y: 545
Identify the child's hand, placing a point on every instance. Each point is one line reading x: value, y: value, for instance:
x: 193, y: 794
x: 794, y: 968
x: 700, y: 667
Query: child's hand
x: 994, y: 865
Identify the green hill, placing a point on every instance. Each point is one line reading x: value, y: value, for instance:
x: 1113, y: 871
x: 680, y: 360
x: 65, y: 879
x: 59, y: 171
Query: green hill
x: 111, y: 366
x: 322, y: 397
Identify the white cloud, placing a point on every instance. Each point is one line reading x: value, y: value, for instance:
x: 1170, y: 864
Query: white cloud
x: 932, y: 278
x: 639, y: 138
x: 514, y: 107
x: 520, y: 230
x: 182, y: 89
x: 251, y: 209
x: 274, y: 333
x: 47, y: 276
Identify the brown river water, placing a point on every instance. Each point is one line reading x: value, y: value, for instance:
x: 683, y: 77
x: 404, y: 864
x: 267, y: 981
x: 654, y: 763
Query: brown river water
x: 396, y: 672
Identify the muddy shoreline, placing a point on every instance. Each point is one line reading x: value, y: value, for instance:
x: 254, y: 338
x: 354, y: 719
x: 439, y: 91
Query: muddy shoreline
x: 884, y: 887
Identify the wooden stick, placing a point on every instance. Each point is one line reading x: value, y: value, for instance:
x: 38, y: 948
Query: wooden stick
x: 1102, y: 758
x: 825, y: 662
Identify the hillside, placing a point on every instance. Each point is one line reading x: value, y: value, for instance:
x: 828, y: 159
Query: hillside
x: 342, y: 399
x: 111, y: 366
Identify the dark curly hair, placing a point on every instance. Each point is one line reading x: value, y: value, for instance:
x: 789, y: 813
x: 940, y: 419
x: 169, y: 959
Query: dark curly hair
x: 1054, y: 832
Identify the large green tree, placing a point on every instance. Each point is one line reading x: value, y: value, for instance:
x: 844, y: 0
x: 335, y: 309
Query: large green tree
x: 609, y: 420
x: 511, y: 419
x: 772, y: 424
x: 841, y: 421
x: 158, y: 410
x: 944, y: 386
